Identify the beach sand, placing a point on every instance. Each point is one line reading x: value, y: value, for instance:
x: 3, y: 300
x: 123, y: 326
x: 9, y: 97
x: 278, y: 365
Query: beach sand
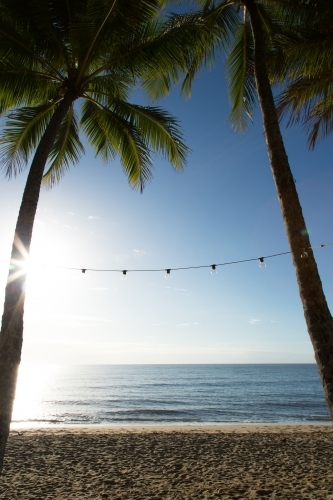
x: 183, y: 462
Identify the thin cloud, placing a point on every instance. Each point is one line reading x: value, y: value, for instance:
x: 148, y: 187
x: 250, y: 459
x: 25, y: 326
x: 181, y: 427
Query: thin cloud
x: 253, y: 321
x: 67, y: 227
x: 93, y: 217
x: 184, y: 324
x: 138, y: 254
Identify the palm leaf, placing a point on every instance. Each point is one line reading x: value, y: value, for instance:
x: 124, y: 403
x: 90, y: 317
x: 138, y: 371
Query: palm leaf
x: 108, y: 26
x: 110, y: 134
x: 158, y: 129
x: 196, y: 42
x: 240, y: 76
x: 20, y: 86
x: 51, y: 19
x: 303, y: 101
x: 19, y: 49
x: 22, y: 132
x: 319, y: 122
x: 303, y: 62
x: 117, y: 84
x: 66, y: 150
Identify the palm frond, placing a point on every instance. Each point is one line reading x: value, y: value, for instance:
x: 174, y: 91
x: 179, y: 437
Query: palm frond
x: 165, y: 49
x: 240, y: 76
x: 19, y: 49
x: 302, y: 63
x: 96, y: 134
x: 220, y: 21
x: 66, y: 151
x: 303, y: 100
x: 22, y: 87
x: 98, y: 28
x: 109, y: 134
x: 319, y: 122
x: 158, y: 129
x: 22, y: 132
x: 52, y: 19
x: 107, y: 27
x: 117, y: 84
x: 199, y: 37
x: 301, y: 54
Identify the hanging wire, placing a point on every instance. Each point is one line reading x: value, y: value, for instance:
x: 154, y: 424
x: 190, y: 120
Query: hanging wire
x: 168, y: 270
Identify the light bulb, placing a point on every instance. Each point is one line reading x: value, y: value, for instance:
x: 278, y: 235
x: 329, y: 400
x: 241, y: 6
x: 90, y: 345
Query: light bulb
x: 83, y: 275
x: 304, y: 254
x: 167, y: 274
x: 262, y: 264
x: 124, y: 275
x: 214, y: 270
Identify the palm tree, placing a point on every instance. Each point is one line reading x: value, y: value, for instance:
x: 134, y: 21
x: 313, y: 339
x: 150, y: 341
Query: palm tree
x: 259, y: 21
x: 64, y: 60
x: 305, y: 58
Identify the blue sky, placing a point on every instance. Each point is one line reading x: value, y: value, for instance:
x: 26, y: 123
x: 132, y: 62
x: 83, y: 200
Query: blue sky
x: 222, y: 208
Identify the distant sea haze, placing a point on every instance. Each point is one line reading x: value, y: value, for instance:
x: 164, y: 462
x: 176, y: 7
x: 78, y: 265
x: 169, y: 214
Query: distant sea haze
x: 169, y: 394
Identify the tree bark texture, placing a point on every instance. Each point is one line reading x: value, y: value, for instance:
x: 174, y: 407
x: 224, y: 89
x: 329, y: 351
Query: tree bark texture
x: 317, y: 315
x: 11, y: 335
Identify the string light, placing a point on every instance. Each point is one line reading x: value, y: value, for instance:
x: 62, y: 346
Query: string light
x: 167, y: 274
x: 213, y: 267
x: 304, y: 254
x: 262, y: 264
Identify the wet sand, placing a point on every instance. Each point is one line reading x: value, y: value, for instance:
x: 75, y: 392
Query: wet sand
x: 157, y: 463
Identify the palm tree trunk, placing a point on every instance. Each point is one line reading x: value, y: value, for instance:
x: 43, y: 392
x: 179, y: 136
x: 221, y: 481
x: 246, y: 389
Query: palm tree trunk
x: 317, y: 315
x: 11, y: 336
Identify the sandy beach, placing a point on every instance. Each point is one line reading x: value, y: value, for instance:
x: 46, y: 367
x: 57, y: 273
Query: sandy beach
x: 183, y: 462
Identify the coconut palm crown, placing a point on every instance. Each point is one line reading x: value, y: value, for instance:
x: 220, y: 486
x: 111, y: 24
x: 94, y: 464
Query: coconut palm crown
x: 93, y: 53
x: 305, y: 60
x: 68, y: 67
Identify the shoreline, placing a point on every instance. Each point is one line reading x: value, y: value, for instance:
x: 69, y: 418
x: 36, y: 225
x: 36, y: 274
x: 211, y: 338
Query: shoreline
x: 29, y: 425
x: 173, y: 427
x: 183, y: 462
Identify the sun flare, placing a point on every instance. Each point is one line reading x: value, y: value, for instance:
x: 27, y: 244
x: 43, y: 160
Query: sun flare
x: 46, y: 281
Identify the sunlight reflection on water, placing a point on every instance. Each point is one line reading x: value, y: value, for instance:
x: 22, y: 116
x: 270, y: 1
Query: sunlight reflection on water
x: 34, y: 386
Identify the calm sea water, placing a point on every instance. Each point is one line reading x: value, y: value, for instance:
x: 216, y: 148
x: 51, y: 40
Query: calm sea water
x: 169, y: 394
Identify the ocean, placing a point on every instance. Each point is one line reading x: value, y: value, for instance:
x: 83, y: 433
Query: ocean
x: 168, y: 394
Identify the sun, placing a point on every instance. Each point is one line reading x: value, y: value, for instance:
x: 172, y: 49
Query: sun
x: 46, y: 277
